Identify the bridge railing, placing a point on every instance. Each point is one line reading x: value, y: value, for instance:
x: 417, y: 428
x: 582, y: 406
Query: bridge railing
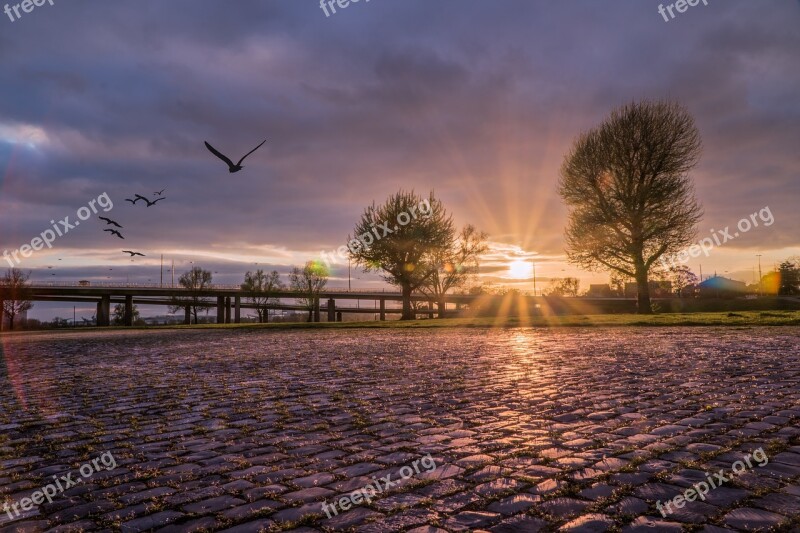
x: 214, y: 286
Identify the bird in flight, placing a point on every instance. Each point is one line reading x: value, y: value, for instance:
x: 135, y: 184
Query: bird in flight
x: 110, y: 222
x: 231, y: 167
x: 132, y: 201
x: 159, y: 193
x: 148, y: 202
x: 114, y: 232
x: 133, y: 253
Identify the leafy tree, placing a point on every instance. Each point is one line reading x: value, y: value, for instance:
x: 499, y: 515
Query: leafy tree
x: 15, y: 295
x: 119, y: 314
x: 629, y: 195
x: 682, y: 278
x: 563, y: 287
x: 195, y: 281
x: 455, y: 266
x: 309, y: 282
x: 260, y: 288
x: 402, y: 238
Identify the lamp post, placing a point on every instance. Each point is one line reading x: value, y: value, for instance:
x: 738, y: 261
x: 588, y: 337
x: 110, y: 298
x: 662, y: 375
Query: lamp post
x: 760, y: 289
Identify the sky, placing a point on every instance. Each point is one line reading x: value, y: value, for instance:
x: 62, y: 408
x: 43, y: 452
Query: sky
x: 478, y: 101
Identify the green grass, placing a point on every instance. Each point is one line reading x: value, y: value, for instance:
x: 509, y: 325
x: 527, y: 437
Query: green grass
x: 738, y: 319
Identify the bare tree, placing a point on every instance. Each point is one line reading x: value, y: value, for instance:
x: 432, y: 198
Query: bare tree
x: 629, y: 195
x: 119, y: 314
x: 195, y: 281
x: 15, y: 295
x: 681, y: 278
x: 402, y: 238
x: 563, y: 287
x: 260, y: 288
x: 455, y: 266
x: 309, y: 282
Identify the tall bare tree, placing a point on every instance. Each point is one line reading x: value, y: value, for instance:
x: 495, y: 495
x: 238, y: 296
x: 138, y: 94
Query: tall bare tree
x: 309, y: 282
x: 15, y: 295
x: 195, y: 282
x: 260, y: 289
x: 401, y: 238
x: 628, y: 191
x: 455, y: 266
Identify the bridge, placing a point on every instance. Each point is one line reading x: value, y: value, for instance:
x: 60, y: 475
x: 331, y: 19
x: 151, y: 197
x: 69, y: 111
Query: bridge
x: 229, y: 300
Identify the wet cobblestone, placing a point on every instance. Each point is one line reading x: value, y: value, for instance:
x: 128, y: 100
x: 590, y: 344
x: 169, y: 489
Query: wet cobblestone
x: 531, y: 430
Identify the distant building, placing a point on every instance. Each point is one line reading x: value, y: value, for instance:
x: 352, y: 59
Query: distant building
x: 658, y: 289
x: 601, y: 290
x: 719, y: 287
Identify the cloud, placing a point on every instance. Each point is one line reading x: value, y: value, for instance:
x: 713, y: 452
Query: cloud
x: 476, y: 101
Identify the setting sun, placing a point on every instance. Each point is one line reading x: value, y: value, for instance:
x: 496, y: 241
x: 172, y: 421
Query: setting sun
x: 520, y: 269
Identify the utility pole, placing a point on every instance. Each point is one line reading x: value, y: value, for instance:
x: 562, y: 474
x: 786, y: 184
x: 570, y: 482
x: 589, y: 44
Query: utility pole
x: 760, y: 289
x: 161, y: 284
x: 173, y: 273
x: 349, y: 287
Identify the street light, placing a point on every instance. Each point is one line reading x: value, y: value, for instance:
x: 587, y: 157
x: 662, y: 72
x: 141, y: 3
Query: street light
x: 760, y: 289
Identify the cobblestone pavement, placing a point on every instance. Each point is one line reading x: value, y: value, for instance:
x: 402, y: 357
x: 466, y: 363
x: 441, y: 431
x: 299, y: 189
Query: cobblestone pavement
x: 530, y: 430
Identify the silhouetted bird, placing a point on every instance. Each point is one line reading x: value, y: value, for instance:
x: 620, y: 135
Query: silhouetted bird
x: 148, y: 202
x: 133, y: 253
x: 110, y: 222
x: 159, y: 193
x: 231, y: 167
x: 114, y: 232
x: 132, y: 201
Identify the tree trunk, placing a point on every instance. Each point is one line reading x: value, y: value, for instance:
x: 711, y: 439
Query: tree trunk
x: 442, y: 308
x: 11, y: 321
x: 643, y: 292
x: 408, y: 312
x: 310, y: 315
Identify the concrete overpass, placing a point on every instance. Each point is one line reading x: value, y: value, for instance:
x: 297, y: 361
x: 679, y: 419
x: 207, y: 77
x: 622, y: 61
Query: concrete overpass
x: 228, y: 300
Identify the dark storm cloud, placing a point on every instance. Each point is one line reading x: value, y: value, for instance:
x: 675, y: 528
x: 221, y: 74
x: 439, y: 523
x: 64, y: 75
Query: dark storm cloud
x: 477, y: 100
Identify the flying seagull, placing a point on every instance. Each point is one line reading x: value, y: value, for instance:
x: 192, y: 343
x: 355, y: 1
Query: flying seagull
x: 159, y: 193
x: 148, y: 202
x: 132, y: 201
x: 110, y: 222
x: 114, y: 232
x: 231, y: 167
x: 132, y: 253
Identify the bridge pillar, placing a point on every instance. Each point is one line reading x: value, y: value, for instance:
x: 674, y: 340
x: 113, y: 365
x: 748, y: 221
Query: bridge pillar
x: 228, y: 310
x: 2, y: 310
x: 104, y: 311
x: 187, y: 318
x: 383, y: 310
x: 220, y: 309
x: 129, y: 310
x: 237, y: 315
x: 316, y: 310
x: 331, y: 310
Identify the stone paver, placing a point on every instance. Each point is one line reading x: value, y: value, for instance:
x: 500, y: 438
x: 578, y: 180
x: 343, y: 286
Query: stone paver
x: 529, y: 430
